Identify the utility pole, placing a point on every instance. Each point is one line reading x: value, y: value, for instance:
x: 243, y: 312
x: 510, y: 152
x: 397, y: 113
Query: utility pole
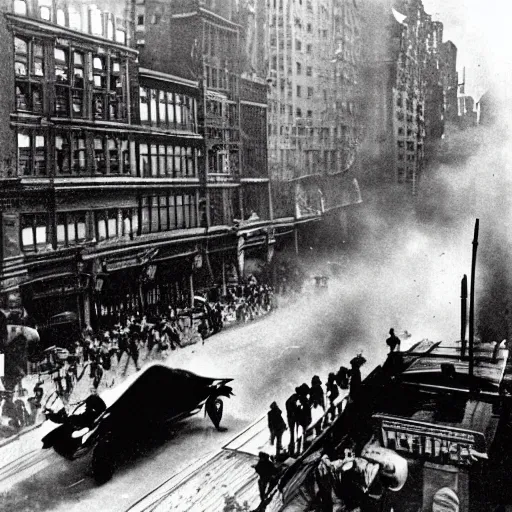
x: 472, y: 308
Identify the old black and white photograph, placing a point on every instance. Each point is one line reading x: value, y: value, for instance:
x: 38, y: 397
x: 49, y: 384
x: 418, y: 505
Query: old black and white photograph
x: 255, y: 256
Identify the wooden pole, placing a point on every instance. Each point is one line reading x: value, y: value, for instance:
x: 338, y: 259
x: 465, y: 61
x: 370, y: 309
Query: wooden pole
x: 472, y: 307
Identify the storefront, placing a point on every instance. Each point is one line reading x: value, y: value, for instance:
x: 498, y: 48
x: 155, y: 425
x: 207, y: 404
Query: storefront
x: 115, y: 296
x: 45, y: 297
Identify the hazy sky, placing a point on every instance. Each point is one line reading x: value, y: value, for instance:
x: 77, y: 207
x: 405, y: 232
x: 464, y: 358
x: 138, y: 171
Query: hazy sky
x: 482, y: 32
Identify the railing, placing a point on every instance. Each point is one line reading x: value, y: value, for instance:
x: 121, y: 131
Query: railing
x: 303, y: 442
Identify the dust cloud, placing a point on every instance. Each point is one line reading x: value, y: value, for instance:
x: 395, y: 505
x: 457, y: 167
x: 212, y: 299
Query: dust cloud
x: 408, y: 258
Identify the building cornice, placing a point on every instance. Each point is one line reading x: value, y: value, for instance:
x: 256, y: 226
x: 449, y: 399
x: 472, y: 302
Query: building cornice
x: 54, y: 30
x: 159, y: 75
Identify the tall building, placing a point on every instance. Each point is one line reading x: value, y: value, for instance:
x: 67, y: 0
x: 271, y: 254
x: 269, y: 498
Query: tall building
x: 410, y: 88
x: 314, y: 122
x: 218, y: 44
x: 102, y: 191
x: 451, y: 80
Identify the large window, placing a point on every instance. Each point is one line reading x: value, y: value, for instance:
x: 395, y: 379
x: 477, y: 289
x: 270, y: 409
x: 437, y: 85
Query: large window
x: 20, y: 7
x: 162, y: 160
x: 121, y: 30
x: 95, y: 21
x: 29, y: 72
x: 75, y: 19
x: 69, y: 82
x: 31, y: 154
x: 34, y: 231
x: 111, y: 155
x: 77, y: 93
x: 166, y: 109
x: 115, y: 88
x: 115, y: 223
x: 71, y: 228
x: 62, y: 155
x: 100, y: 160
x: 166, y: 212
x: 99, y: 76
x: 79, y: 164
x: 61, y: 81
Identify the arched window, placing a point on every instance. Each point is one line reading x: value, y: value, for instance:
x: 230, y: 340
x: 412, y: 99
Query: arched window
x: 45, y: 9
x: 20, y: 7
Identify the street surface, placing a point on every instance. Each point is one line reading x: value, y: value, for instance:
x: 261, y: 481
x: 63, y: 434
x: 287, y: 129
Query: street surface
x: 267, y: 358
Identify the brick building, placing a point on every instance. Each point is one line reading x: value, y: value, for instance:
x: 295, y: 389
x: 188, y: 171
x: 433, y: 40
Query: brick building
x: 102, y: 176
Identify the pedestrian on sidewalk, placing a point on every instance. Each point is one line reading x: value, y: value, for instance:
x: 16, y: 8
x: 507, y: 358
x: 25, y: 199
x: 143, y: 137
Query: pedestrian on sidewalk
x: 277, y: 426
x: 122, y: 344
x: 393, y: 342
x: 267, y: 472
x: 133, y: 353
x: 173, y: 335
x: 202, y: 329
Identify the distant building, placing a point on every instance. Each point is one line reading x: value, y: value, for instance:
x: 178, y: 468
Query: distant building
x: 314, y: 124
x: 409, y: 74
x: 468, y: 115
x: 450, y: 79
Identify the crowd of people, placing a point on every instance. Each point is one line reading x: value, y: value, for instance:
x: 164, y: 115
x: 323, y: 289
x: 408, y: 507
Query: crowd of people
x: 106, y: 354
x: 309, y: 407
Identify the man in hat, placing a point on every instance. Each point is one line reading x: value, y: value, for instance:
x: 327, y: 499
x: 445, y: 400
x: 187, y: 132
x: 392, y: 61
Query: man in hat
x: 393, y: 342
x: 276, y: 425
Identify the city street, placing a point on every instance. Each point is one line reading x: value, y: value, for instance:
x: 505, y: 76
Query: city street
x: 267, y: 359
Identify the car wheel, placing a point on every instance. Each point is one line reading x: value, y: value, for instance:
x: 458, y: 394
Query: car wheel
x: 103, y: 461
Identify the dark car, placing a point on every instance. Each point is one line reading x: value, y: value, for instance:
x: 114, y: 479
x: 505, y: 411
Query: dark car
x: 109, y: 424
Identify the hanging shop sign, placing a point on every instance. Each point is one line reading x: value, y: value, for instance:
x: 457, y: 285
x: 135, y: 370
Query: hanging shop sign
x: 58, y: 286
x: 141, y: 258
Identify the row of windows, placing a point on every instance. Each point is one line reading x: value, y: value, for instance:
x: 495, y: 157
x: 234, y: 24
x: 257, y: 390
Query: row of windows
x: 165, y: 160
x: 401, y: 145
x: 76, y: 227
x: 168, y: 212
x: 165, y: 212
x: 220, y: 78
x: 167, y: 109
x: 89, y: 19
x: 69, y: 69
x: 218, y: 42
x: 76, y: 154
